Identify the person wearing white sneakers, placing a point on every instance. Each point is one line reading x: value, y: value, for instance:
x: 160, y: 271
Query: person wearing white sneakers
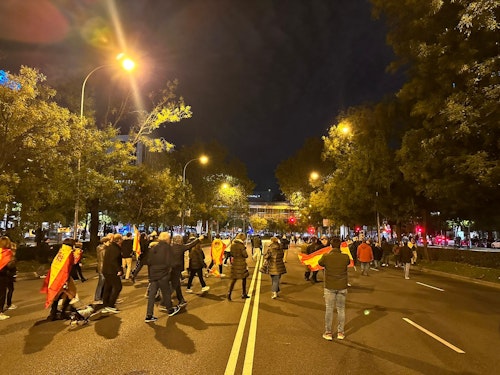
x: 335, y: 263
x: 196, y: 265
x: 276, y: 266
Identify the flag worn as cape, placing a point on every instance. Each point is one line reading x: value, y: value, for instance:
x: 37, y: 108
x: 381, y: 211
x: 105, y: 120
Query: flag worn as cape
x: 311, y: 260
x: 136, y: 247
x: 5, y: 257
x: 218, y: 248
x: 58, y: 275
x: 344, y: 249
x: 77, y: 255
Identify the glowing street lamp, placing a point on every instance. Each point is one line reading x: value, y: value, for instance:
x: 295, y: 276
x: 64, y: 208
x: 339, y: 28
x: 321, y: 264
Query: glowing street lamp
x: 128, y: 65
x: 203, y: 160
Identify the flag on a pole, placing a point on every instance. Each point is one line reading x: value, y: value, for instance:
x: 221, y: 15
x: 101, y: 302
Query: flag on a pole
x: 58, y: 275
x: 136, y: 247
x: 311, y: 260
x: 5, y: 257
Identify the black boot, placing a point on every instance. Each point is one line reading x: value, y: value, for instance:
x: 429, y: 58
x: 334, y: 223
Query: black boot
x: 243, y: 296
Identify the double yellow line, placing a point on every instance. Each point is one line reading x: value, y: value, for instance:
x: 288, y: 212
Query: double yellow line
x: 235, y: 351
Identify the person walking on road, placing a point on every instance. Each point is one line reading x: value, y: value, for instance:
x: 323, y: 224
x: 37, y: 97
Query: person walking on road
x: 335, y: 291
x: 365, y: 256
x: 406, y: 254
x: 112, y: 271
x: 127, y: 248
x: 196, y: 265
x: 309, y: 249
x: 101, y: 249
x: 160, y: 273
x: 275, y: 264
x: 217, y: 251
x: 256, y: 244
x: 285, y: 244
x: 178, y: 250
x: 239, y: 269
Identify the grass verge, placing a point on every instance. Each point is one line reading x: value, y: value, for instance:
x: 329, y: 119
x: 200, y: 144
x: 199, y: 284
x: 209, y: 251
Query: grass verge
x: 463, y: 269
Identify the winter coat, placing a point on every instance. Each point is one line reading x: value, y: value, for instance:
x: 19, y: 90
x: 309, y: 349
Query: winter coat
x: 127, y: 247
x: 274, y: 257
x: 101, y: 249
x: 365, y: 253
x: 159, y: 261
x: 178, y: 251
x: 285, y: 243
x: 256, y: 242
x: 112, y: 260
x: 335, y: 264
x: 196, y: 258
x: 405, y: 253
x: 239, y: 254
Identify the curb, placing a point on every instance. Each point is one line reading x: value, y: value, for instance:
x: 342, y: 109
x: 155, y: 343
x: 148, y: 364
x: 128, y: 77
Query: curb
x: 459, y: 277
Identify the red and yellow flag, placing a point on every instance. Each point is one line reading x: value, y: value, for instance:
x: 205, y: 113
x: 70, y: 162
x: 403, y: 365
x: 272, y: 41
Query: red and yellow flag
x: 58, y: 274
x: 311, y: 260
x: 5, y: 257
x: 218, y: 248
x: 344, y: 249
x: 137, y: 243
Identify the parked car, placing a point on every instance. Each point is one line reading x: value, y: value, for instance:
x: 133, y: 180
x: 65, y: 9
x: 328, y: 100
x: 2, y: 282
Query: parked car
x: 495, y: 244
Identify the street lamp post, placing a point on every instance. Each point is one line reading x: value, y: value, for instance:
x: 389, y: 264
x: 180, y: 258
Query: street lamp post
x: 203, y: 160
x: 128, y: 65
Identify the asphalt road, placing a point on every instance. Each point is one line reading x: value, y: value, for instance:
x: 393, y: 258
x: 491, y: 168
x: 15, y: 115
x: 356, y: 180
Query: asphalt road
x: 426, y: 325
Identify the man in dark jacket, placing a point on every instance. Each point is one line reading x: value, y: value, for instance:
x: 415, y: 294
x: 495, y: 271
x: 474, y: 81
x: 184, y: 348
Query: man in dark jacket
x: 127, y: 250
x: 159, y: 262
x: 178, y: 250
x: 406, y: 254
x: 112, y: 271
x: 335, y: 264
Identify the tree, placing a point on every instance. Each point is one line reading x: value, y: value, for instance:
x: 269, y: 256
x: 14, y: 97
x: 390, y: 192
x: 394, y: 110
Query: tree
x: 258, y: 223
x: 148, y: 196
x: 450, y: 150
x: 36, y: 157
x: 293, y: 174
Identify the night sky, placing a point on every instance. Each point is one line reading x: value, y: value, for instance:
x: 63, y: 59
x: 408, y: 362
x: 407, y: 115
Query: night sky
x: 260, y: 75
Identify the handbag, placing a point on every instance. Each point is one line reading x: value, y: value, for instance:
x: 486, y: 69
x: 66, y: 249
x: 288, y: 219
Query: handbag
x: 265, y: 267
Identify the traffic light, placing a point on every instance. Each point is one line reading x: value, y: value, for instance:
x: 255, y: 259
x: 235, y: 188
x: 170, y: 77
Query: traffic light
x: 419, y: 229
x: 292, y: 220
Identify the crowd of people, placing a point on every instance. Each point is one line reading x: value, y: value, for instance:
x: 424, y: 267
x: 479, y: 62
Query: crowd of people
x: 164, y: 256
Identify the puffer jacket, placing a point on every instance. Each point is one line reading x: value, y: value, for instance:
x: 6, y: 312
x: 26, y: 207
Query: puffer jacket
x: 239, y: 254
x: 274, y: 257
x: 196, y: 258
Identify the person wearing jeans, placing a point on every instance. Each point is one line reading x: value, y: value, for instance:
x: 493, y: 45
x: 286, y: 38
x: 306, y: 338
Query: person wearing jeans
x: 274, y: 258
x: 335, y: 264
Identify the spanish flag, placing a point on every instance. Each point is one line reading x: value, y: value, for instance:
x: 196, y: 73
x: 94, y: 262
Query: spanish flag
x: 5, y: 257
x: 59, y: 273
x: 344, y: 249
x: 311, y: 260
x: 217, y: 250
x: 136, y: 247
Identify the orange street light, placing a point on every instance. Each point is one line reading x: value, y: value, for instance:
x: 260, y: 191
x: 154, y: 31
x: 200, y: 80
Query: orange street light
x: 127, y: 64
